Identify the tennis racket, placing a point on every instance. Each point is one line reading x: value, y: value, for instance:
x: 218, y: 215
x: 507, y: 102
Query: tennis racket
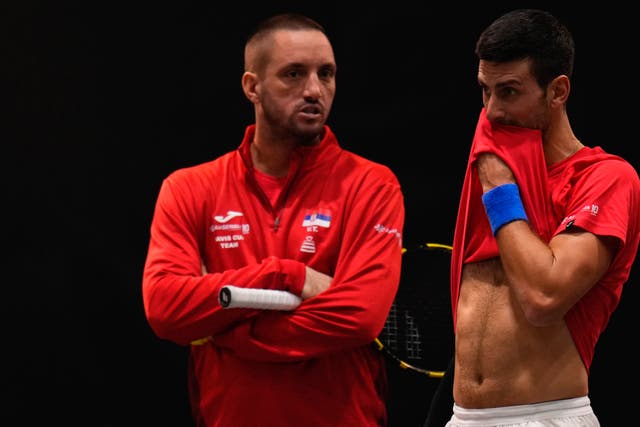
x: 418, y: 331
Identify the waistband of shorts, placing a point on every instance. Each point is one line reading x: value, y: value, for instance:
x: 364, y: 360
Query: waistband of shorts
x: 577, y: 406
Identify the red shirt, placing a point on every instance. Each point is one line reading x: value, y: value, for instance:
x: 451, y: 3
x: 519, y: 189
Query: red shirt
x: 593, y: 190
x: 599, y: 193
x: 315, y: 366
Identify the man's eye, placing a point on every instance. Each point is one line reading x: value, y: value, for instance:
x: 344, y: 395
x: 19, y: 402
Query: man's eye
x: 326, y: 74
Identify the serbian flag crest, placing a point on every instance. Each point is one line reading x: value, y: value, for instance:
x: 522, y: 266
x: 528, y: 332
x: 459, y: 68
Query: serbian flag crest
x: 319, y: 217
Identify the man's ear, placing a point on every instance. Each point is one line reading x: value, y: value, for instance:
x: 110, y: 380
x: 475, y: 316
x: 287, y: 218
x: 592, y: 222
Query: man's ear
x: 559, y: 89
x: 250, y: 86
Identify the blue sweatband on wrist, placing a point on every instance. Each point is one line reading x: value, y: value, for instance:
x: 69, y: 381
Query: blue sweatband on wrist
x: 503, y: 205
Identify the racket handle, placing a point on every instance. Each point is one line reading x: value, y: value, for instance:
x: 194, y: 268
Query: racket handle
x: 266, y: 299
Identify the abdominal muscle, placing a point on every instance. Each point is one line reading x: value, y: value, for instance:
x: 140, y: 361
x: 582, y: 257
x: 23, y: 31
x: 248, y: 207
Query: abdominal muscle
x: 502, y: 359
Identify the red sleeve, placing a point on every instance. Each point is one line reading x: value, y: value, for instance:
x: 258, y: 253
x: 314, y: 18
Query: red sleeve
x: 352, y: 312
x: 599, y: 199
x: 605, y: 201
x: 181, y: 303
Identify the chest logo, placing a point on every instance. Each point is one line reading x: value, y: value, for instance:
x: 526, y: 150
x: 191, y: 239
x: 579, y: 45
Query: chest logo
x: 230, y: 215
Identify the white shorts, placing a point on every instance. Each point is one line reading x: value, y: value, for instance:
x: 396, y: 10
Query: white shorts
x: 575, y: 412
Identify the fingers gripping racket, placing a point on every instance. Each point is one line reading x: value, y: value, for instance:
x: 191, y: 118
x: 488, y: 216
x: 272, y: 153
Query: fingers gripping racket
x: 418, y: 330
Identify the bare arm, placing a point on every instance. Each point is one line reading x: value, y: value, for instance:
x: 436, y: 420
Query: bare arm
x: 547, y: 280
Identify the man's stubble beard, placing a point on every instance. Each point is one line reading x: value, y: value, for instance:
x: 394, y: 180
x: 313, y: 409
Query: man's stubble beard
x: 288, y: 128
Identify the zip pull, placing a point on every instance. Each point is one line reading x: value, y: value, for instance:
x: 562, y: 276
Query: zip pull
x: 276, y: 223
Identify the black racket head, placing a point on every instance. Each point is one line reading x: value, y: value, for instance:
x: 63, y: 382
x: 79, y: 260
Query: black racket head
x: 418, y: 332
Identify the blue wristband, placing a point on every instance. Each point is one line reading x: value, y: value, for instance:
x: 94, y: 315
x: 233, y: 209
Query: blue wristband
x: 503, y: 205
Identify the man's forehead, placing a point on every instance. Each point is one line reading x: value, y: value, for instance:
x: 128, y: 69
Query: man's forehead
x: 300, y: 47
x: 493, y: 72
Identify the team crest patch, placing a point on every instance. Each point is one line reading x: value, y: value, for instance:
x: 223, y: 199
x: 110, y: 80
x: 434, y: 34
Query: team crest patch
x: 308, y: 246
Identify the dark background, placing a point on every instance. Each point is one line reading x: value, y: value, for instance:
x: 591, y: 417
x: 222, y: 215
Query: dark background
x: 106, y: 98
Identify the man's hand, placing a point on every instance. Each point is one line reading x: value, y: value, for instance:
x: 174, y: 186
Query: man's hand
x: 315, y: 283
x: 492, y: 171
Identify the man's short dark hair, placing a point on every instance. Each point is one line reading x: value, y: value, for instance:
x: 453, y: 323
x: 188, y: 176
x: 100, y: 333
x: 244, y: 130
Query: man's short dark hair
x: 533, y: 34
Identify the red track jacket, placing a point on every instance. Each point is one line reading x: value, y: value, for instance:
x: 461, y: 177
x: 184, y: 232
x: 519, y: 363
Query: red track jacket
x: 340, y: 214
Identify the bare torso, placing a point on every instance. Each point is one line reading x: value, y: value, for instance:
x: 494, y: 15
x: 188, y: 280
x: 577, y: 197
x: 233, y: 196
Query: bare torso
x: 502, y: 359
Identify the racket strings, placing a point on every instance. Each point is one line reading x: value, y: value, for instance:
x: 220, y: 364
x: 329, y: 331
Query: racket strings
x: 418, y: 332
x: 413, y: 345
x: 391, y: 329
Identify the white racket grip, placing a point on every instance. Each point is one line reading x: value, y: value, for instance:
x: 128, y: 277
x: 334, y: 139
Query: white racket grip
x: 266, y: 299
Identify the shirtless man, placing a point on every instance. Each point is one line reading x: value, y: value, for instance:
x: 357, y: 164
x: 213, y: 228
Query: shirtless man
x: 527, y: 319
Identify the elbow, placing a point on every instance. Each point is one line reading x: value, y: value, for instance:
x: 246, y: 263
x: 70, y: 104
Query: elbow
x: 166, y: 330
x: 369, y: 334
x: 158, y: 314
x: 369, y: 331
x: 358, y: 329
x: 159, y: 326
x: 542, y: 310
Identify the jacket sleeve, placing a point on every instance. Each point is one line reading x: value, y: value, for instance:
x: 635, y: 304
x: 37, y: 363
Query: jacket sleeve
x: 352, y: 312
x: 180, y: 302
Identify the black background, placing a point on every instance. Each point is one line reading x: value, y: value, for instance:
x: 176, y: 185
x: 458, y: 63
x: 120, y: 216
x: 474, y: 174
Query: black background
x: 106, y: 98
